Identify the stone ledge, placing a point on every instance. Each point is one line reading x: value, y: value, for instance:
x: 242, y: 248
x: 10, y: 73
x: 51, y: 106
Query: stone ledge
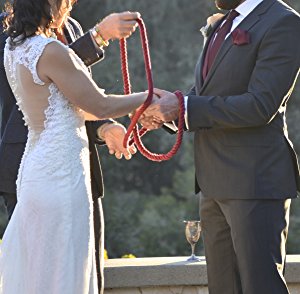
x: 171, y: 271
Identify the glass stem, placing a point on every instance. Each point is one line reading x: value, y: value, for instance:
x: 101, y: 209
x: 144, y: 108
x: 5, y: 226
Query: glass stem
x: 193, y: 249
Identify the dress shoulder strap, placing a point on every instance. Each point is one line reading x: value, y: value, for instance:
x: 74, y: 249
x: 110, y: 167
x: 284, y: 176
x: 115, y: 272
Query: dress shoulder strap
x: 27, y: 54
x: 32, y: 54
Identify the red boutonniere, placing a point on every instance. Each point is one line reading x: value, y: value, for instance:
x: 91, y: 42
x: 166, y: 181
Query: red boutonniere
x: 240, y: 37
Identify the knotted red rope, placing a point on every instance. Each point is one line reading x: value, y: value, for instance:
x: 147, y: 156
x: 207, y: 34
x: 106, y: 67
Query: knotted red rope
x: 133, y: 127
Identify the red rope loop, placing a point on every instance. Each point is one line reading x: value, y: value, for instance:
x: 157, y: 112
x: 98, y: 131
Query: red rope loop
x: 133, y: 128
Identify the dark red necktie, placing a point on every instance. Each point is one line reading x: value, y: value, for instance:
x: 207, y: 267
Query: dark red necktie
x: 216, y: 41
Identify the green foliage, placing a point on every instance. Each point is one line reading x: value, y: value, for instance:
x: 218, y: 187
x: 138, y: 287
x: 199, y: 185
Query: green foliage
x: 149, y: 226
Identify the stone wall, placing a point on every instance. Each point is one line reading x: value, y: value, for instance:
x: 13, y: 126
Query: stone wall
x: 172, y: 275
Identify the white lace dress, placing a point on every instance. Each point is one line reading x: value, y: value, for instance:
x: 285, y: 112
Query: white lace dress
x: 48, y: 247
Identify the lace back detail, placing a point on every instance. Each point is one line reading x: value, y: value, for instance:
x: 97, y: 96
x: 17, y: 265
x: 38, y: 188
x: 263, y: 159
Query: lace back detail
x: 32, y: 56
x: 32, y: 49
x: 63, y: 139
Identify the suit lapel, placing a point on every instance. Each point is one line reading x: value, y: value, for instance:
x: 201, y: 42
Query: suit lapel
x: 245, y: 25
x: 69, y: 33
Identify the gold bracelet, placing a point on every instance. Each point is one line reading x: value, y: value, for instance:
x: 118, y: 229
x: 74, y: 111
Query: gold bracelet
x: 98, y: 38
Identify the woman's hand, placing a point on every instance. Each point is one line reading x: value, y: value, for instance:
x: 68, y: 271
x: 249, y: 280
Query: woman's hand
x: 118, y: 25
x: 113, y: 134
x: 151, y: 122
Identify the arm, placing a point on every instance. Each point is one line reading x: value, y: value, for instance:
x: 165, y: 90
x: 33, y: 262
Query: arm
x: 270, y: 85
x: 114, y: 26
x: 59, y: 65
x: 172, y: 127
x: 113, y: 134
x: 151, y: 122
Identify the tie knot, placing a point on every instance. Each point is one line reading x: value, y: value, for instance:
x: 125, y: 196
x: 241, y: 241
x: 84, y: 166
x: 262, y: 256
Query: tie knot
x: 232, y: 15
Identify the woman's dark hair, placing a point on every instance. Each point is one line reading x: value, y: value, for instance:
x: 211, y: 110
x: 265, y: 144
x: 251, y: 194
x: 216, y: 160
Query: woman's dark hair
x: 25, y: 17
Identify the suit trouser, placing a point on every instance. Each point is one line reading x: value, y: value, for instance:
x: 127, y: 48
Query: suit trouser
x: 244, y: 243
x: 99, y: 242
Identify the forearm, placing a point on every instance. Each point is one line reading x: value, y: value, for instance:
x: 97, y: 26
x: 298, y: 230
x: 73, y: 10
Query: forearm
x: 120, y: 105
x: 271, y: 82
x: 115, y: 26
x: 245, y: 110
x: 90, y: 98
x: 62, y: 68
x: 102, y: 106
x: 172, y: 127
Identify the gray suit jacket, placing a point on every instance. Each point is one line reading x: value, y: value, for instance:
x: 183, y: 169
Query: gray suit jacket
x: 242, y: 150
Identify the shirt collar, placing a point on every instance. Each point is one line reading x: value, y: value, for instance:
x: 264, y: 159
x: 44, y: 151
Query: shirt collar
x: 247, y: 7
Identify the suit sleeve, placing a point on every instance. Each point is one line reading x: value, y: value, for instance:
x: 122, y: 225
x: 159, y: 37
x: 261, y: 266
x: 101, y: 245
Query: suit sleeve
x: 86, y: 48
x: 270, y: 85
x: 93, y: 126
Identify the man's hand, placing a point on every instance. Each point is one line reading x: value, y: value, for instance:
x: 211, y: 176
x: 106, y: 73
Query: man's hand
x: 113, y: 135
x: 150, y: 122
x: 118, y: 25
x: 165, y: 109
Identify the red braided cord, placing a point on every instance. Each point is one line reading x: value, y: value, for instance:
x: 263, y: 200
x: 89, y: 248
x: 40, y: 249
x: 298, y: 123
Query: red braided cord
x: 124, y: 64
x: 133, y: 127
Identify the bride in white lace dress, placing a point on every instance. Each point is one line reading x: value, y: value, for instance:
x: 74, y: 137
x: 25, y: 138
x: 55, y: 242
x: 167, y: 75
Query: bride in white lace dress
x: 48, y: 245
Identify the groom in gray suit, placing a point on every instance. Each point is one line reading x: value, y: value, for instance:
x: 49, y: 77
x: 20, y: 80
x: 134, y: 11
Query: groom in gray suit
x: 246, y: 167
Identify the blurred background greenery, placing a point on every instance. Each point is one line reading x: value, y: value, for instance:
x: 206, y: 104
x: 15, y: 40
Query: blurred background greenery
x: 145, y: 203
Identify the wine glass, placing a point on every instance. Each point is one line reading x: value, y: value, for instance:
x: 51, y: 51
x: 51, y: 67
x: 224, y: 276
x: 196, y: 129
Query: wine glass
x: 192, y: 234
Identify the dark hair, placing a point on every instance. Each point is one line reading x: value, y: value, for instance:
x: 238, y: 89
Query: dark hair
x: 25, y: 17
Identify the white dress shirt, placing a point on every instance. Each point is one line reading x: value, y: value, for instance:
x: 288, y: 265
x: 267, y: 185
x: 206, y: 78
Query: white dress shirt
x: 244, y: 9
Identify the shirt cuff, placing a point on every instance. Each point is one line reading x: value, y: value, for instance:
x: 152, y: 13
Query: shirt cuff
x: 172, y: 126
x: 186, y: 98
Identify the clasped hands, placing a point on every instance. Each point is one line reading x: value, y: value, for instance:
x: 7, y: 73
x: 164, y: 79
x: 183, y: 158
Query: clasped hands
x: 164, y: 108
